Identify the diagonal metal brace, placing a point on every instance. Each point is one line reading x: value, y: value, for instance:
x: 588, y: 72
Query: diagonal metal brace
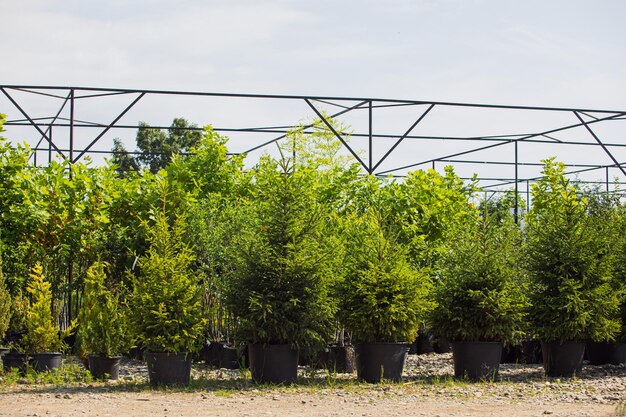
x: 54, y: 119
x: 332, y: 129
x: 93, y: 142
x: 608, y: 152
x: 32, y: 122
x: 403, y: 136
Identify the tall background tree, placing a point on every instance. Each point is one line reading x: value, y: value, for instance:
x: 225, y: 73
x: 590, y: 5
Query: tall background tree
x: 157, y: 147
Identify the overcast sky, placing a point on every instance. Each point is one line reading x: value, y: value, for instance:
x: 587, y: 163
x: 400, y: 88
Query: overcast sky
x: 548, y: 53
x: 559, y: 52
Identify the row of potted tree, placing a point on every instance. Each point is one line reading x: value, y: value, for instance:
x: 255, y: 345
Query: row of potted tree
x: 556, y: 281
x: 294, y: 250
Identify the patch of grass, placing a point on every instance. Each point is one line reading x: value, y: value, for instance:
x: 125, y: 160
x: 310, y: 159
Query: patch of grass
x: 69, y: 373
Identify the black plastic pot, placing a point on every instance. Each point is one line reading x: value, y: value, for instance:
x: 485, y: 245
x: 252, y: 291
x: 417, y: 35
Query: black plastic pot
x: 103, y: 367
x: 510, y: 354
x: 562, y: 359
x: 307, y: 358
x: 425, y: 342
x: 530, y: 352
x: 221, y: 355
x: 375, y: 361
x: 476, y: 361
x: 136, y: 353
x: 337, y: 358
x: 46, y: 361
x: 442, y: 345
x: 166, y: 368
x: 600, y: 353
x: 210, y: 354
x: 228, y: 358
x: 277, y: 364
x: 15, y: 360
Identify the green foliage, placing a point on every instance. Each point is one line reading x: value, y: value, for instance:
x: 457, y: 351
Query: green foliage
x: 158, y: 147
x: 608, y: 216
x: 418, y: 211
x: 278, y: 290
x: 166, y: 304
x: 569, y: 264
x: 19, y: 312
x: 18, y: 217
x: 382, y: 297
x: 318, y: 147
x: 103, y: 320
x: 42, y: 331
x: 124, y: 162
x: 55, y: 214
x: 426, y: 206
x: 619, y: 277
x: 501, y: 207
x: 208, y: 169
x: 5, y: 300
x: 215, y: 225
x: 481, y: 296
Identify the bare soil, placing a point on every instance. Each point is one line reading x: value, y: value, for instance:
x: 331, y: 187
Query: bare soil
x: 427, y: 390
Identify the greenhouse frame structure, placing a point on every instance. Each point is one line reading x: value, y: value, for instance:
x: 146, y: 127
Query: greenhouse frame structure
x: 57, y: 130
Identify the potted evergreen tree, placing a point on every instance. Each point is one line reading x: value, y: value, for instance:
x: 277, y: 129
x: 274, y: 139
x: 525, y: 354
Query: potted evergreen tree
x: 569, y: 266
x: 42, y: 340
x: 277, y: 291
x: 167, y: 315
x: 103, y: 331
x: 480, y: 298
x: 607, y: 216
x: 382, y: 297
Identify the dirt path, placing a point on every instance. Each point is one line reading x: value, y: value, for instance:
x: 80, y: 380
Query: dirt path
x: 428, y: 389
x: 173, y: 404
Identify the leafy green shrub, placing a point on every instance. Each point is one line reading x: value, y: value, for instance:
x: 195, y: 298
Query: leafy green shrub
x: 569, y: 264
x: 382, y: 297
x: 103, y: 319
x: 278, y: 290
x: 19, y: 316
x: 5, y: 304
x: 425, y: 206
x: 480, y: 296
x: 42, y: 330
x: 165, y: 302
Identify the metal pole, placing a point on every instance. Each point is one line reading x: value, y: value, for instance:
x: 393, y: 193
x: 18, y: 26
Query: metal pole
x: 515, y: 214
x: 50, y: 146
x: 70, y: 267
x: 71, y: 128
x: 527, y: 195
x: 370, y: 138
x: 607, y: 180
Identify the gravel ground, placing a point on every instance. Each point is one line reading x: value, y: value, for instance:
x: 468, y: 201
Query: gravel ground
x: 428, y: 389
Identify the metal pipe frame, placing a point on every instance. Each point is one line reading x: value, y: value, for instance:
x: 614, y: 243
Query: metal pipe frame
x: 371, y: 164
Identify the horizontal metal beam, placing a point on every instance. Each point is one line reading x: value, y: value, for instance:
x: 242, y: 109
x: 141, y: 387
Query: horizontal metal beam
x: 302, y: 97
